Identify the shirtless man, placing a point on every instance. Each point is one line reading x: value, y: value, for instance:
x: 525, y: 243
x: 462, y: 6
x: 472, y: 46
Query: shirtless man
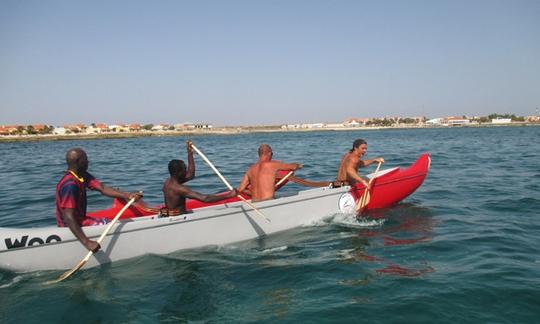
x: 348, y: 169
x: 262, y: 175
x: 174, y: 190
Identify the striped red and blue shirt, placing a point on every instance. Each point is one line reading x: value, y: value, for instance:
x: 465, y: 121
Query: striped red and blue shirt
x: 71, y: 193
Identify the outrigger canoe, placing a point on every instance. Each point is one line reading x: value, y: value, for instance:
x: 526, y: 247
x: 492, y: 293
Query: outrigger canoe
x: 56, y: 248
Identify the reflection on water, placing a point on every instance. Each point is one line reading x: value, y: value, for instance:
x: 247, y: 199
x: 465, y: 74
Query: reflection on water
x: 407, y: 224
x: 279, y: 301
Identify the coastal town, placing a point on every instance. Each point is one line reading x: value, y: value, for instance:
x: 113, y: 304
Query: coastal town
x: 37, y: 131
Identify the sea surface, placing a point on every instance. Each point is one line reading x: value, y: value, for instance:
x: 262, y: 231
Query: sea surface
x: 464, y: 248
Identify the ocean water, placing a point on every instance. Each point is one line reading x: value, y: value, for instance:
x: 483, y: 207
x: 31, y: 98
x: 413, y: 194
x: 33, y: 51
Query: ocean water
x: 464, y: 248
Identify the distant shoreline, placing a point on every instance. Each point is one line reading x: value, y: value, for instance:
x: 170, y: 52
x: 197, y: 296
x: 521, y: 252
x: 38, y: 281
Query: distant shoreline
x: 229, y: 131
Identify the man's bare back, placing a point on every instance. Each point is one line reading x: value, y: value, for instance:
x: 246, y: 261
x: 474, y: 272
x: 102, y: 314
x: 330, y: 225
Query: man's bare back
x: 261, y: 176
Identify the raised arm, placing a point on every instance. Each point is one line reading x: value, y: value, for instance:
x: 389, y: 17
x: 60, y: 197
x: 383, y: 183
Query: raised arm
x: 190, y: 174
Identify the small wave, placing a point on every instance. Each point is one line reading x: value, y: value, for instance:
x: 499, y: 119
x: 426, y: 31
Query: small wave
x: 276, y: 249
x: 13, y: 281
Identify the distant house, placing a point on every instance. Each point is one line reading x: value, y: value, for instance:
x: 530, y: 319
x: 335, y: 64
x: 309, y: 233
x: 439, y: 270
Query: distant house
x: 336, y: 125
x: 60, y: 131
x: 356, y: 122
x: 160, y: 127
x: 103, y: 128
x: 456, y: 121
x: 92, y: 130
x: 114, y: 128
x: 134, y: 127
x: 8, y: 130
x: 315, y: 125
x: 120, y: 128
x: 501, y: 121
x: 75, y: 128
x: 434, y: 121
x: 352, y: 122
x: 39, y: 127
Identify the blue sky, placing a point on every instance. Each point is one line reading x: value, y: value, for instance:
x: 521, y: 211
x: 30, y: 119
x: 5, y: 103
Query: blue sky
x: 265, y: 62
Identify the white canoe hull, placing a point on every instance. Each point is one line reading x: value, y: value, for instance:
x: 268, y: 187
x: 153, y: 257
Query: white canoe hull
x: 54, y: 248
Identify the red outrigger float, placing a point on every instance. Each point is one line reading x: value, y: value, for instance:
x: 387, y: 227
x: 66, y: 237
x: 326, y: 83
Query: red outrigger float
x: 389, y: 187
x: 393, y: 185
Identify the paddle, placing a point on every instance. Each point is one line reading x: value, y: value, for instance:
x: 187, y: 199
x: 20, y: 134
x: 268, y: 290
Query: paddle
x: 226, y: 182
x: 90, y: 253
x: 284, y: 178
x: 366, y: 197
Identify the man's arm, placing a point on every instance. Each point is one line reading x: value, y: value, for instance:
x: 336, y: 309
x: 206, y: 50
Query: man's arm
x: 352, y: 172
x: 287, y: 166
x: 113, y: 193
x: 365, y: 163
x: 69, y: 218
x: 244, y: 183
x: 186, y: 192
x: 190, y: 174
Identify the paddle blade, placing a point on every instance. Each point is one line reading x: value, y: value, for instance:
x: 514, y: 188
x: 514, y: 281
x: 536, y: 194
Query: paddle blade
x: 364, y: 201
x: 99, y: 240
x: 69, y: 272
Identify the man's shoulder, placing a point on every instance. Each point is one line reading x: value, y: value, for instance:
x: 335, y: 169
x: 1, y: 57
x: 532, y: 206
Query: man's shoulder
x: 174, y: 185
x: 273, y: 163
x: 67, y: 186
x: 67, y: 180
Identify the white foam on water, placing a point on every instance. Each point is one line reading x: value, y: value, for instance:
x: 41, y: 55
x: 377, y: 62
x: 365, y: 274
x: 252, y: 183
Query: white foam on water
x: 276, y: 249
x: 320, y: 222
x: 13, y: 281
x: 350, y: 220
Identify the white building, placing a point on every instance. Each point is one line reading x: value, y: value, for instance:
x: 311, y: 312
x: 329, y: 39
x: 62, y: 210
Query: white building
x: 456, y: 121
x: 160, y: 127
x: 501, y: 121
x: 340, y: 125
x: 59, y: 131
x: 119, y: 128
x: 92, y: 130
x: 434, y: 121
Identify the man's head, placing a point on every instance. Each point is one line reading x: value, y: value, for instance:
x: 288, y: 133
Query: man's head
x: 77, y: 160
x: 177, y: 169
x: 265, y: 150
x: 360, y: 146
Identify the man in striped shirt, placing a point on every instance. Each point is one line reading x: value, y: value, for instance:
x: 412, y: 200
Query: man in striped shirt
x: 71, y: 197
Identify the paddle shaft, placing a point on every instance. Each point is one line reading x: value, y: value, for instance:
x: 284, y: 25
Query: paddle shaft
x: 226, y: 182
x: 364, y: 200
x: 284, y: 178
x: 99, y: 240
